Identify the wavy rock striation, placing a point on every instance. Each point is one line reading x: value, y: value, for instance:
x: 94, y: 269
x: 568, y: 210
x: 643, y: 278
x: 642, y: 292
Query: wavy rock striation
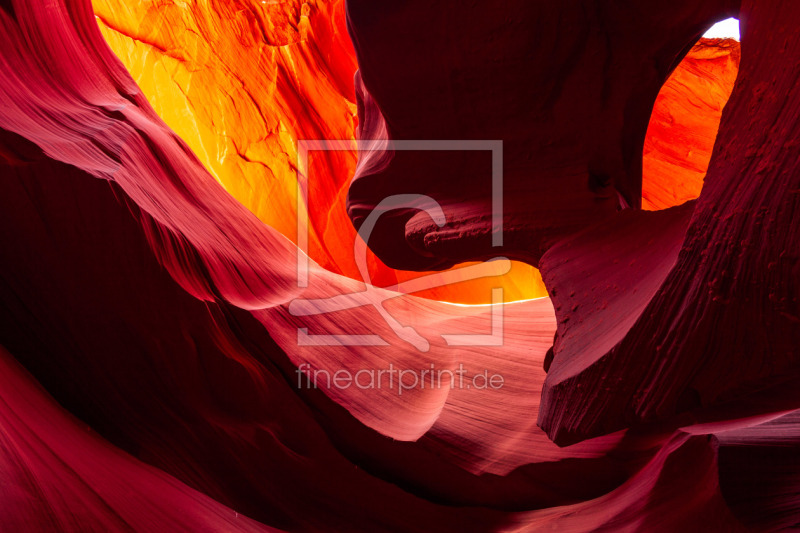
x: 161, y: 312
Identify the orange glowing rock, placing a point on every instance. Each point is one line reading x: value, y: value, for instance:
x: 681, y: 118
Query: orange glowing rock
x: 684, y: 123
x: 242, y: 83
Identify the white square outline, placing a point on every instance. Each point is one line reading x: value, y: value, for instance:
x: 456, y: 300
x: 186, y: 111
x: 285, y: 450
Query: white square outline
x: 304, y: 146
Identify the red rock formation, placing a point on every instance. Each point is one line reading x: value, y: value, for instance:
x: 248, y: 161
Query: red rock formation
x: 165, y: 315
x: 722, y: 325
x: 169, y: 369
x: 244, y: 122
x: 58, y: 475
x: 241, y: 82
x: 669, y: 325
x: 572, y: 145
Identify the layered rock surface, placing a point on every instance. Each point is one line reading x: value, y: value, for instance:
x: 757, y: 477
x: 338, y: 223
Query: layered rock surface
x: 163, y: 313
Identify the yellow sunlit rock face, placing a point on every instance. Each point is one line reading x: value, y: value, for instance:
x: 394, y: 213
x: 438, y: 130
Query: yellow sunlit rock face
x: 241, y: 81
